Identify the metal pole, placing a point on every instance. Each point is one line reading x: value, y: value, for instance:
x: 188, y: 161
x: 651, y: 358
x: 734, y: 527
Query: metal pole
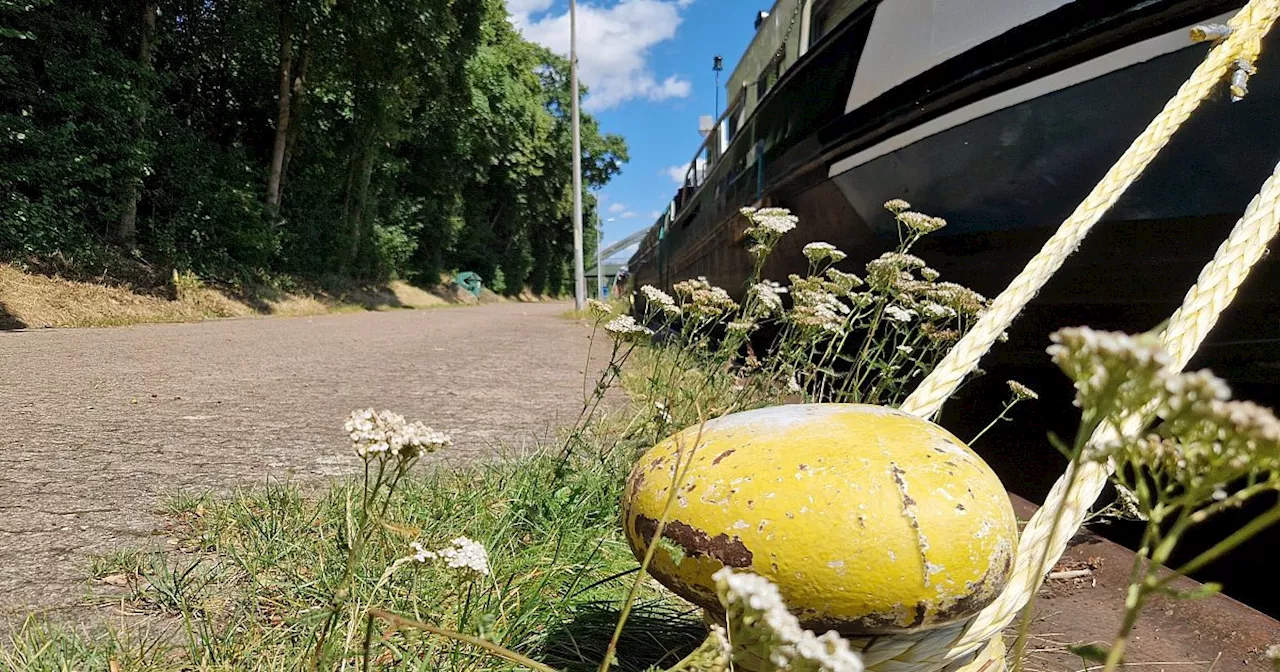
x: 717, y: 64
x: 599, y: 261
x: 579, y: 275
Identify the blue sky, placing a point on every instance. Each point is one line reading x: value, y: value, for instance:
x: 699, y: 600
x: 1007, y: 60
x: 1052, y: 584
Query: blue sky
x: 648, y: 64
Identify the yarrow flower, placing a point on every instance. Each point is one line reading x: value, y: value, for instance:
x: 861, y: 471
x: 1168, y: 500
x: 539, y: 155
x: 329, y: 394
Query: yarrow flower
x: 775, y: 220
x: 767, y: 226
x: 959, y: 298
x: 1201, y: 444
x: 378, y: 433
x: 660, y: 299
x: 768, y: 296
x: 892, y: 270
x: 897, y: 205
x: 920, y: 222
x: 599, y: 308
x: 898, y: 313
x: 688, y: 287
x: 704, y: 299
x: 1110, y: 369
x: 761, y: 628
x: 847, y: 282
x: 818, y: 252
x: 625, y: 327
x: 462, y: 554
x: 1021, y: 392
x: 937, y: 311
x: 817, y: 307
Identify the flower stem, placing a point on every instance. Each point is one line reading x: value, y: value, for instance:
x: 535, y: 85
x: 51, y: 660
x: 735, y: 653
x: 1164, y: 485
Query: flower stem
x: 678, y: 476
x: 991, y: 424
x: 1226, y: 545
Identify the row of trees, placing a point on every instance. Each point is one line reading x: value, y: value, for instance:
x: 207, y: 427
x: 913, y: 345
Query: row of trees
x: 363, y: 138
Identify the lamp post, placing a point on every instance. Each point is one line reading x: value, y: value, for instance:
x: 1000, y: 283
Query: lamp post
x: 717, y: 65
x: 579, y: 274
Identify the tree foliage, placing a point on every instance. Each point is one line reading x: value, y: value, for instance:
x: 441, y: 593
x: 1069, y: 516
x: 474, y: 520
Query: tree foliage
x: 371, y: 139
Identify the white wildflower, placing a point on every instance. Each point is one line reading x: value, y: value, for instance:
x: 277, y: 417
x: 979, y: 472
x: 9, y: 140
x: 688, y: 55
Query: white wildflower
x: 1021, y: 392
x: 847, y: 282
x: 376, y: 433
x: 1111, y: 370
x: 740, y: 326
x: 663, y: 413
x: 793, y: 385
x: 709, y: 301
x: 891, y: 270
x: 819, y: 308
x: 599, y: 308
x: 929, y: 274
x: 897, y: 205
x: 625, y: 327
x: 688, y: 287
x: 818, y: 252
x: 898, y: 313
x: 660, y: 299
x: 769, y: 224
x: 905, y: 349
x: 957, y: 297
x: 467, y: 556
x: 920, y: 222
x: 768, y: 297
x: 761, y: 628
x: 937, y: 311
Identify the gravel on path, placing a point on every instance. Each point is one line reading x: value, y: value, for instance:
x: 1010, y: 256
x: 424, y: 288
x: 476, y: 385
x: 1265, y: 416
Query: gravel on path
x: 97, y: 425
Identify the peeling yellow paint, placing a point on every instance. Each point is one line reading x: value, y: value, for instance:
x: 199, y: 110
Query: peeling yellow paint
x: 888, y: 482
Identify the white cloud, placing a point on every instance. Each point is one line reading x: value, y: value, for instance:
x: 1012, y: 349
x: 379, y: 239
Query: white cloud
x: 616, y: 208
x: 613, y: 45
x: 627, y: 215
x: 525, y: 7
x: 678, y: 172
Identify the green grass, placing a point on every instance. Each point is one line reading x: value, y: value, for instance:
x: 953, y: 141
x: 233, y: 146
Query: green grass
x: 248, y: 591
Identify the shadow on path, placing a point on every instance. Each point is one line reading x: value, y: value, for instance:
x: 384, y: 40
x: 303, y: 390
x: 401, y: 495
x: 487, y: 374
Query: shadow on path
x: 8, y: 322
x: 655, y: 636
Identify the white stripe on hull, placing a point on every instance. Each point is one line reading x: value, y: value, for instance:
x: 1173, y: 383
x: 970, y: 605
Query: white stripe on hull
x: 1108, y: 63
x: 910, y: 36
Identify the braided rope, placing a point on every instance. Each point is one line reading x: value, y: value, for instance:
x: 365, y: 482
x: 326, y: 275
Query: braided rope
x: 976, y: 645
x: 1243, y: 44
x: 968, y: 645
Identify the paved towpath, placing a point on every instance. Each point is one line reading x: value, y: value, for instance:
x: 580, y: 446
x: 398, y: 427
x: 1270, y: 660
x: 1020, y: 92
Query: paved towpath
x: 96, y: 425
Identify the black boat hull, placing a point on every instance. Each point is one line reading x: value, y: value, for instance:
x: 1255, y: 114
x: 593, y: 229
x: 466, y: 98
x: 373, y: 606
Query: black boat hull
x: 1004, y: 181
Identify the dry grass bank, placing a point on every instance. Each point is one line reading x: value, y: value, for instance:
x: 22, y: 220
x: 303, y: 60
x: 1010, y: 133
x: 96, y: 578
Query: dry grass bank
x: 32, y: 300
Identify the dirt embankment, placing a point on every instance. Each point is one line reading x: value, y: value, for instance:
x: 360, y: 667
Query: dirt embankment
x: 35, y: 300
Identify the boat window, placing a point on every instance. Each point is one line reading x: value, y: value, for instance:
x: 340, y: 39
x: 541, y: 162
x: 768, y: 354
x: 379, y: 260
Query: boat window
x: 828, y: 14
x: 768, y: 77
